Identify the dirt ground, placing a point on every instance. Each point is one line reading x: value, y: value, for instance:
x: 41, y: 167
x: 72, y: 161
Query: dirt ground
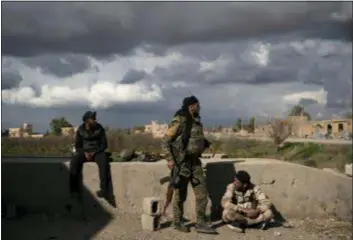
x: 129, y: 227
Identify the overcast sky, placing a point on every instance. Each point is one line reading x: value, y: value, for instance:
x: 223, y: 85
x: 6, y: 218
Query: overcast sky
x: 134, y: 62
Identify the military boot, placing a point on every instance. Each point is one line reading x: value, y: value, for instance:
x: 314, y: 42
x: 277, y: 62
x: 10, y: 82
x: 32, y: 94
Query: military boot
x: 204, y: 228
x: 181, y: 227
x: 102, y: 193
x: 237, y: 226
x: 263, y: 225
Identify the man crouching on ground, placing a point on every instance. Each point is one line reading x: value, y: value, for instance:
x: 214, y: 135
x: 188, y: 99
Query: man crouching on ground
x: 245, y: 204
x: 90, y: 145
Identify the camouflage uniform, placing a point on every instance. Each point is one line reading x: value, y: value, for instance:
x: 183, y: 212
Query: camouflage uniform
x: 233, y: 201
x: 190, y: 166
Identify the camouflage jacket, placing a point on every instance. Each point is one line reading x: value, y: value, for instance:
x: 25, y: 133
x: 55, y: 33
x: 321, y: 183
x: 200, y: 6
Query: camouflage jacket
x: 254, y: 197
x: 172, y: 141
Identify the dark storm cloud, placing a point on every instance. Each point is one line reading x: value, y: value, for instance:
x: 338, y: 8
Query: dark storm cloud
x: 10, y: 79
x: 128, y: 115
x: 30, y: 28
x: 157, y: 49
x: 60, y: 65
x: 305, y: 102
x: 133, y: 76
x: 186, y: 71
x: 308, y: 61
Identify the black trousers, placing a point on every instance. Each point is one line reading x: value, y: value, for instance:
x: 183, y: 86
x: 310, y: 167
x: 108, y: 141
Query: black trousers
x: 76, y: 166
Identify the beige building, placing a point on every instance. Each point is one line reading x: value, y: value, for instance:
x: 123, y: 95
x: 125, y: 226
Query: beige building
x: 37, y: 135
x: 157, y: 130
x: 262, y: 130
x: 302, y: 127
x: 24, y: 131
x: 68, y: 131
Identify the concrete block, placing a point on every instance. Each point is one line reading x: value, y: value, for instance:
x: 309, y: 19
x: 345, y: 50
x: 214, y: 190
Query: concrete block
x: 152, y: 206
x: 150, y: 223
x: 348, y: 169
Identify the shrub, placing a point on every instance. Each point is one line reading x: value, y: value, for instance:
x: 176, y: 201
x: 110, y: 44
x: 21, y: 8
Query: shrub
x: 279, y: 131
x: 62, y: 146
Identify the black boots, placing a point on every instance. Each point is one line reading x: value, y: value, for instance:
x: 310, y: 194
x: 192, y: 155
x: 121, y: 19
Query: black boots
x: 102, y: 194
x: 204, y: 228
x: 200, y: 228
x: 181, y: 227
x: 238, y: 227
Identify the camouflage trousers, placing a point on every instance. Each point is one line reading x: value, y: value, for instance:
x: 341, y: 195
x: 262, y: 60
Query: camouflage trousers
x: 230, y: 215
x: 198, y: 184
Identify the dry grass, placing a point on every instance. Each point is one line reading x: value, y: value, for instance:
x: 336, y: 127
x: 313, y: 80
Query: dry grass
x: 62, y: 146
x: 311, y: 154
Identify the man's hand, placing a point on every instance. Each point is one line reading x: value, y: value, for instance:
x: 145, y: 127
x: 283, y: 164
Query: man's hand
x: 89, y: 156
x: 251, y: 212
x: 171, y: 164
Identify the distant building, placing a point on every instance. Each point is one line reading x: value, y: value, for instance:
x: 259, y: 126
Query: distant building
x: 157, y: 130
x: 302, y: 127
x: 25, y: 130
x: 68, y: 131
x: 37, y: 135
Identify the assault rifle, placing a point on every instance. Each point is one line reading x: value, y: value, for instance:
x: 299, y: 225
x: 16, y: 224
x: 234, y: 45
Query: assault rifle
x: 173, y: 180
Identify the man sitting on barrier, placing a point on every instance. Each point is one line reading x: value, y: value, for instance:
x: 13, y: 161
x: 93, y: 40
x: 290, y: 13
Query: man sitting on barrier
x: 245, y: 204
x: 90, y: 145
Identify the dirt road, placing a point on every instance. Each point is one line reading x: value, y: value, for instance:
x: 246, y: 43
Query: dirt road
x: 319, y: 141
x: 128, y: 227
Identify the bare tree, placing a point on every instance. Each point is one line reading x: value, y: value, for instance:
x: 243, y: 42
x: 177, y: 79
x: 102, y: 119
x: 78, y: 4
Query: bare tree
x: 279, y: 131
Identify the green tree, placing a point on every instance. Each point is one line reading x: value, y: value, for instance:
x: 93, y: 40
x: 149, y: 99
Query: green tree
x: 251, y: 125
x: 57, y: 123
x: 298, y: 110
x: 238, y: 125
x: 308, y: 115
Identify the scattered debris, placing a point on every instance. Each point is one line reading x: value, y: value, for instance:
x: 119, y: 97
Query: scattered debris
x: 277, y: 233
x: 135, y: 156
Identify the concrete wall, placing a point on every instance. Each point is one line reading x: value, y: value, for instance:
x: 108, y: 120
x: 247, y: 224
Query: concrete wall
x: 297, y: 191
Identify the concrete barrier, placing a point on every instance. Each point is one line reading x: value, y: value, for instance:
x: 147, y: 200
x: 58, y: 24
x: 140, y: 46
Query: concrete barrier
x: 297, y: 191
x: 37, y: 185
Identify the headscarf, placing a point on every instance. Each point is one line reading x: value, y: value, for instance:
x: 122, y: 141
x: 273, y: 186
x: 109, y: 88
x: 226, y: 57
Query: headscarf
x: 184, y: 111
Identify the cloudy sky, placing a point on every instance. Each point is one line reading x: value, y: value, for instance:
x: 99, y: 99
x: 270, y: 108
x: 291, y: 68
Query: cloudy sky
x: 134, y: 62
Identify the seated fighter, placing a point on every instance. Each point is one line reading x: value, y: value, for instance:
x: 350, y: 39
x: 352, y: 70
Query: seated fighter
x: 90, y: 145
x: 244, y: 204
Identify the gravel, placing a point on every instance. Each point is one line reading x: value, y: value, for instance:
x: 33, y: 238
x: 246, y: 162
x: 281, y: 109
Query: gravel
x: 128, y: 227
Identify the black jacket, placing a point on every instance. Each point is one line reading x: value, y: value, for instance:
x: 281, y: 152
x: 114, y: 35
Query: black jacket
x: 91, y: 142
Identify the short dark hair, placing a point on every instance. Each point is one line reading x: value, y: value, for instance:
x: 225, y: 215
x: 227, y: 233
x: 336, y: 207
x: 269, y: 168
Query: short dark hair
x: 243, y: 176
x: 88, y: 115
